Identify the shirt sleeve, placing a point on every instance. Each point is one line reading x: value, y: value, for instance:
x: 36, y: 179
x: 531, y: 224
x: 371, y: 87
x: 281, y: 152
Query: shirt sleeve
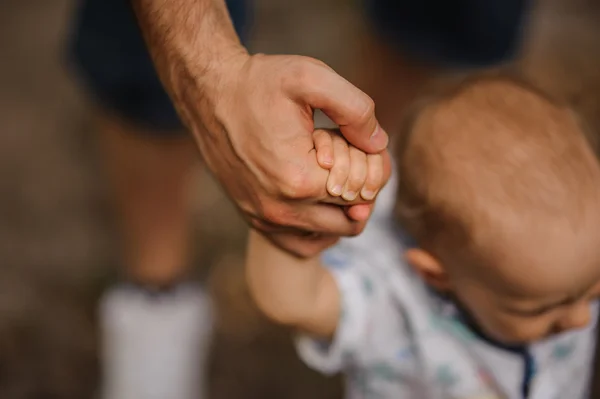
x: 364, y: 300
x: 358, y: 265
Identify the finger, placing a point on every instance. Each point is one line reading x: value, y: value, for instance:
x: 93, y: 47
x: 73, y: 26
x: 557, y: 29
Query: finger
x: 324, y: 147
x: 331, y: 220
x: 350, y: 108
x: 319, y: 178
x: 319, y: 218
x: 357, y: 174
x: 341, y: 167
x: 359, y: 213
x: 387, y: 171
x: 374, y: 177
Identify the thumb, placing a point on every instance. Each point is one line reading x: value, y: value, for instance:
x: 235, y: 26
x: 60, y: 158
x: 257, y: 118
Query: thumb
x: 346, y: 105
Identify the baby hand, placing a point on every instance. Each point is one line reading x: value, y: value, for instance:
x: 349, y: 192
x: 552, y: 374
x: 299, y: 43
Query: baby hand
x: 352, y: 172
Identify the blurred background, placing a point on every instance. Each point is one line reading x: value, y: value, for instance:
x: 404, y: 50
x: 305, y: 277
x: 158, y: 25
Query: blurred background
x: 57, y: 236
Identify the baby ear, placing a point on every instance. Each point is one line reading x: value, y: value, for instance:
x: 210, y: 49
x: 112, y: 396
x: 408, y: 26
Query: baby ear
x: 429, y: 268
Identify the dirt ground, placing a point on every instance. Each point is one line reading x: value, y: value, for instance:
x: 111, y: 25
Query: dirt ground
x: 57, y: 245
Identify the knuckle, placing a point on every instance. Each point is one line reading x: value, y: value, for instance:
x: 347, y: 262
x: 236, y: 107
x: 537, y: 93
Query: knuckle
x: 294, y: 184
x: 356, y: 181
x: 316, y: 62
x: 319, y: 134
x: 325, y: 148
x: 367, y: 109
x: 340, y: 142
x: 322, y: 142
x: 341, y: 171
x: 291, y: 79
x: 376, y: 168
x: 375, y: 171
x: 369, y: 106
x: 302, y: 72
x: 357, y: 154
x: 373, y: 180
x: 341, y: 156
x: 372, y: 185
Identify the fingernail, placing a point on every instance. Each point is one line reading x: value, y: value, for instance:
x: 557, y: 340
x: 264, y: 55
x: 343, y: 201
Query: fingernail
x: 336, y: 190
x: 367, y: 194
x: 349, y: 196
x: 379, y: 138
x: 328, y: 161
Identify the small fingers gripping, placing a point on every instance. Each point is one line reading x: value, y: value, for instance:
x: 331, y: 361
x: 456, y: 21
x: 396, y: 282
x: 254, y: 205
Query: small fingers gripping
x: 324, y: 146
x: 374, y: 178
x: 352, y: 171
x: 357, y: 175
x: 338, y: 175
x: 365, y: 176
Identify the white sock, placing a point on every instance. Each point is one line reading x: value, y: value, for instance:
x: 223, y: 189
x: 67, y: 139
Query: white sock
x: 155, y: 345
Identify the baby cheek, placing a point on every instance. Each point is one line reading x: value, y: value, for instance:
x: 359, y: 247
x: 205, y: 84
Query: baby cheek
x: 576, y: 316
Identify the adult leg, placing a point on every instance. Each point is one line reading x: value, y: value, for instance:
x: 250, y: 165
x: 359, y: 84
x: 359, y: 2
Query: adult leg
x: 155, y: 324
x: 150, y: 179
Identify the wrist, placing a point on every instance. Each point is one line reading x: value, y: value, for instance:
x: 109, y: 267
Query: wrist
x: 193, y: 43
x: 214, y: 73
x: 198, y: 82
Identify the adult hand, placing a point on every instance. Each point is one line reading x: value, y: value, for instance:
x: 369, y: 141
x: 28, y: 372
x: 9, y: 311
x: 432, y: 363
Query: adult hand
x: 252, y: 118
x: 258, y: 142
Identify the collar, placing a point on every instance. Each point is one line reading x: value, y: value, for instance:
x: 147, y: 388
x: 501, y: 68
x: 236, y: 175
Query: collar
x: 451, y: 307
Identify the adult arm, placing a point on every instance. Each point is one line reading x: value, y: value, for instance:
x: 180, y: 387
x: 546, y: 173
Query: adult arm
x: 251, y: 117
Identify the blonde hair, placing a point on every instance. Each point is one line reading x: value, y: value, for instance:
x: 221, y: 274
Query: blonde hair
x: 477, y: 150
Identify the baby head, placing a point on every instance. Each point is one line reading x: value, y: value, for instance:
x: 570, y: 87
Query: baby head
x: 501, y: 191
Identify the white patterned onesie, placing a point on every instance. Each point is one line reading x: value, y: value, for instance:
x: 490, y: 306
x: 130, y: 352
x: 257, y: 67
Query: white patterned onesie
x: 398, y: 340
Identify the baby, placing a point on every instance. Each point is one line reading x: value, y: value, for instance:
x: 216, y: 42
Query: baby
x: 488, y: 288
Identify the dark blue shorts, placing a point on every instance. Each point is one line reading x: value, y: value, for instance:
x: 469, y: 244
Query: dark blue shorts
x: 108, y: 51
x: 451, y: 33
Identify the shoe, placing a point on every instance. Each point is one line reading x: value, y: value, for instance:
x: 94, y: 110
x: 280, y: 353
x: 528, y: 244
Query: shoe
x: 155, y: 345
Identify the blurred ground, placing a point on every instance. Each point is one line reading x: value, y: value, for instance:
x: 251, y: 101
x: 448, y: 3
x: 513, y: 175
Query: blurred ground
x: 57, y: 247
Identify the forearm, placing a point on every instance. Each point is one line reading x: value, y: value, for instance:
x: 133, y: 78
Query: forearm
x: 293, y: 291
x: 189, y: 40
